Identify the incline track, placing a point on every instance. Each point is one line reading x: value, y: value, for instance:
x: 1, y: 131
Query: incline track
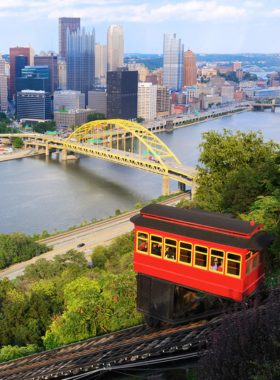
x: 139, y: 347
x: 104, y: 223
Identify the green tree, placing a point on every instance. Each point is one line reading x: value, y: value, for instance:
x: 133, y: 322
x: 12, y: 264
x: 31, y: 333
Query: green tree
x: 224, y: 159
x: 17, y: 142
x: 14, y: 352
x: 96, y: 116
x: 139, y: 119
x: 95, y: 306
x: 99, y: 257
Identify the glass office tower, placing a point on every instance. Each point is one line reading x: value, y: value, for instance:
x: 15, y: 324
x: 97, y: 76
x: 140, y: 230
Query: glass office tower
x: 21, y: 62
x: 80, y: 59
x: 173, y: 59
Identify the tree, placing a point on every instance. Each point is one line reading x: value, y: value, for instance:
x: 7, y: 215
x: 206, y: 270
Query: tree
x: 97, y: 306
x: 96, y: 116
x: 139, y: 119
x: 17, y: 142
x: 224, y: 160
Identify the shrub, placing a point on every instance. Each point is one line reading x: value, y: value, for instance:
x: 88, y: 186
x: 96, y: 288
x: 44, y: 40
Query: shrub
x: 243, y: 340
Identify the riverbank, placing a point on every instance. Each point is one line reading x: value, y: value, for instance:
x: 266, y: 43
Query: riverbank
x: 20, y: 154
x: 211, y: 119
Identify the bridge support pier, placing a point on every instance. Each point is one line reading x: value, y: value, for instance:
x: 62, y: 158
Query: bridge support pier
x: 181, y: 186
x: 64, y: 155
x: 37, y: 148
x: 165, y: 186
x: 272, y: 108
x: 262, y: 108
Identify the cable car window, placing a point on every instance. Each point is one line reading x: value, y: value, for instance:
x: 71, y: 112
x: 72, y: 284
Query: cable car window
x: 185, y: 253
x: 248, y: 267
x: 233, y: 265
x: 201, y: 255
x: 261, y: 257
x: 248, y: 255
x: 170, y: 249
x: 142, y: 242
x: 156, y: 245
x: 217, y: 260
x: 255, y: 262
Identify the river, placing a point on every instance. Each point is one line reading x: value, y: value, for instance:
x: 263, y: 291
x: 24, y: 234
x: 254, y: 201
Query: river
x: 43, y: 192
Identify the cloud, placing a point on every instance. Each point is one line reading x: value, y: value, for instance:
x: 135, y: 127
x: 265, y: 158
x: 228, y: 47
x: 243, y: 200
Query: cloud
x: 252, y: 4
x: 98, y: 11
x: 275, y: 13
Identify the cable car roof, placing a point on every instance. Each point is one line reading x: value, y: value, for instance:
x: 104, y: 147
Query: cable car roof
x: 223, y: 229
x: 201, y: 219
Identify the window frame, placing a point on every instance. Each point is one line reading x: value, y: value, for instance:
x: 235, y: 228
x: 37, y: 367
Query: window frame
x: 142, y: 232
x: 212, y: 270
x: 256, y: 256
x: 240, y: 271
x: 207, y: 254
x: 262, y: 253
x: 151, y: 246
x: 169, y: 245
x: 192, y: 251
x: 251, y: 254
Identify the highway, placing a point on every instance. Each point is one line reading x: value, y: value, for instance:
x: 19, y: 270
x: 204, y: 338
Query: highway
x: 100, y: 233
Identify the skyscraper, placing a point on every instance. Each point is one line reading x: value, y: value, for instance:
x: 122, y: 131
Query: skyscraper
x: 71, y: 23
x: 115, y: 47
x: 122, y: 88
x: 14, y: 52
x: 62, y: 69
x: 173, y: 52
x: 51, y: 62
x: 101, y: 62
x: 36, y: 78
x: 80, y: 61
x: 3, y: 86
x: 21, y: 62
x: 190, y: 71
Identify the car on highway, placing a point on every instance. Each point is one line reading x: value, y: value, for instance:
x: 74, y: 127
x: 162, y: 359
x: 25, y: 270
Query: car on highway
x: 80, y: 245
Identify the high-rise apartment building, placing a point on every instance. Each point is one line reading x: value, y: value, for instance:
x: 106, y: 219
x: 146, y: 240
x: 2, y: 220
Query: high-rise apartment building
x: 114, y: 47
x: 14, y: 52
x: 3, y: 87
x: 101, y: 62
x: 81, y: 61
x: 62, y: 77
x: 122, y: 88
x: 68, y: 100
x: 163, y: 101
x: 34, y: 105
x: 173, y: 53
x: 51, y: 62
x: 71, y: 23
x: 21, y: 62
x: 236, y: 66
x: 189, y: 70
x: 147, y: 101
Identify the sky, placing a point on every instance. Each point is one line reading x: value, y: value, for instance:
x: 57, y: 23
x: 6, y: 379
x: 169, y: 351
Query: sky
x: 204, y: 26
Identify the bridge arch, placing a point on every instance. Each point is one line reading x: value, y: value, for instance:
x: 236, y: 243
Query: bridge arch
x: 101, y: 133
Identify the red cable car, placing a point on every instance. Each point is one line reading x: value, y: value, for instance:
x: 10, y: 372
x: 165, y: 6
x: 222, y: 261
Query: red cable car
x: 179, y: 252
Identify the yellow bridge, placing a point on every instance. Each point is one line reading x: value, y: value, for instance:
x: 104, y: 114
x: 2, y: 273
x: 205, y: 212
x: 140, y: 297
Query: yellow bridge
x: 106, y: 139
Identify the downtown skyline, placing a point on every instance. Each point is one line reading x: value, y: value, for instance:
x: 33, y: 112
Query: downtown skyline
x: 244, y: 24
